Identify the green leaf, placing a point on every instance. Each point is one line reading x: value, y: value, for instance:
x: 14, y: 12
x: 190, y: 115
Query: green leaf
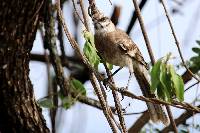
x: 67, y: 102
x: 46, y: 102
x: 167, y: 57
x: 78, y: 86
x: 160, y: 92
x: 89, y: 37
x: 90, y: 50
x: 61, y: 95
x: 196, y: 50
x: 195, y: 59
x: 198, y: 42
x: 110, y: 66
x: 177, y: 84
x: 165, y: 82
x: 183, y: 131
x: 155, y: 74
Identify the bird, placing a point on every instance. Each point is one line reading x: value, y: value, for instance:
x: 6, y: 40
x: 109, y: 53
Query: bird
x: 117, y: 48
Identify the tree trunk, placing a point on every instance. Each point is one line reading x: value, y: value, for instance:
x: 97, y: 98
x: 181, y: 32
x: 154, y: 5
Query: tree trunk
x: 19, y: 112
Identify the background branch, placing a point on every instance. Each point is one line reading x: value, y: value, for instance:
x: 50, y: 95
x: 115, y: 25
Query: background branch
x: 180, y: 120
x: 177, y: 42
x: 134, y: 17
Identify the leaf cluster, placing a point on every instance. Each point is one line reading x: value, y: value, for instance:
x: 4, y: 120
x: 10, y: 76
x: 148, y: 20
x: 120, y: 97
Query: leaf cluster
x: 67, y: 101
x: 195, y: 60
x: 165, y: 82
x: 90, y: 50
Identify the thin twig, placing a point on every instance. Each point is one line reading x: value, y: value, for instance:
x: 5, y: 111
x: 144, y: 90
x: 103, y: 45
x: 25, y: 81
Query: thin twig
x: 105, y: 97
x: 50, y: 40
x: 117, y: 101
x: 177, y: 42
x: 191, y: 86
x: 180, y: 120
x: 135, y: 113
x: 115, y: 15
x: 147, y: 42
x: 60, y: 37
x: 181, y: 105
x: 103, y: 103
x: 75, y: 10
x: 171, y: 119
x: 140, y: 122
x: 84, y: 16
x: 134, y: 17
x: 51, y: 90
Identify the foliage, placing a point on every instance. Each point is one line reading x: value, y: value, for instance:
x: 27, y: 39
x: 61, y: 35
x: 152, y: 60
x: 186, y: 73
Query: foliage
x: 195, y: 60
x: 90, y: 50
x: 78, y: 88
x: 110, y: 66
x: 165, y: 81
x: 67, y: 101
x: 46, y: 102
x: 184, y: 128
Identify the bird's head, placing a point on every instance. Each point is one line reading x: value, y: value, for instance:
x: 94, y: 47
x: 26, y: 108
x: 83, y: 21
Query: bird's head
x: 102, y: 24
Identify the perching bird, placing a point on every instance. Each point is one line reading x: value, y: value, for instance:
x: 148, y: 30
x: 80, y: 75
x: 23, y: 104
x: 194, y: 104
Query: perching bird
x: 117, y: 48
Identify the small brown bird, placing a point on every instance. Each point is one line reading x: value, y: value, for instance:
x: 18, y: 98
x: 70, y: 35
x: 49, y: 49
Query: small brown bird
x: 117, y: 48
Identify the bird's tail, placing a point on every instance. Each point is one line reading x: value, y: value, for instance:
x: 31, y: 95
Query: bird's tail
x: 156, y: 111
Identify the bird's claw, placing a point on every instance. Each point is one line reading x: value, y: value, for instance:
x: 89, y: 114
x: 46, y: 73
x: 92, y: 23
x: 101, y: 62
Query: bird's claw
x: 121, y: 89
x: 105, y: 82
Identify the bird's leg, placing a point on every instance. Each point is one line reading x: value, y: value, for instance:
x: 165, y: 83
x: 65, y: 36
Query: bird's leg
x: 116, y: 71
x: 126, y: 88
x: 129, y: 79
x: 107, y: 79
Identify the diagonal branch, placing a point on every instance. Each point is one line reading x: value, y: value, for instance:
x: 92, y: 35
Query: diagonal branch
x: 117, y: 101
x: 146, y: 39
x: 137, y: 9
x: 180, y: 120
x: 134, y: 17
x: 177, y: 42
x: 50, y: 42
x: 103, y: 103
x: 141, y: 122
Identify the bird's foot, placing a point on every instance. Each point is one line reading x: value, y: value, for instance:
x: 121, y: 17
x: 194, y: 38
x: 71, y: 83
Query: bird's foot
x: 105, y: 82
x: 122, y: 89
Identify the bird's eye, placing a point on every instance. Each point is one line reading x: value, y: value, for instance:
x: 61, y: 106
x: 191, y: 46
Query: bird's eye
x: 103, y: 19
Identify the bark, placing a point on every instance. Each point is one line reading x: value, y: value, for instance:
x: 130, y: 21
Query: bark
x: 19, y: 111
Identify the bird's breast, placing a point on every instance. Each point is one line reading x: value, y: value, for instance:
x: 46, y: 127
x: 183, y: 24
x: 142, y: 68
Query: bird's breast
x: 110, y: 51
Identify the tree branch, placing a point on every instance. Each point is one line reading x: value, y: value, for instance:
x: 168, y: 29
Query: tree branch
x: 180, y: 120
x: 146, y: 39
x: 134, y: 17
x: 144, y: 119
x: 177, y: 42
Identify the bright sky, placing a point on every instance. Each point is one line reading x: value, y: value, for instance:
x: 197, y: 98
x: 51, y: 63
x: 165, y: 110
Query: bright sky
x: 85, y: 119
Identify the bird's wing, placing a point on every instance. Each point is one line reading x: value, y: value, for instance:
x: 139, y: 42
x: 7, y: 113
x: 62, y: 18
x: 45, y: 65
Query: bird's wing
x: 130, y: 48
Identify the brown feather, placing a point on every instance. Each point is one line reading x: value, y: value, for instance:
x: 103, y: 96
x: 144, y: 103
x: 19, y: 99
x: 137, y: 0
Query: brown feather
x: 117, y: 48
